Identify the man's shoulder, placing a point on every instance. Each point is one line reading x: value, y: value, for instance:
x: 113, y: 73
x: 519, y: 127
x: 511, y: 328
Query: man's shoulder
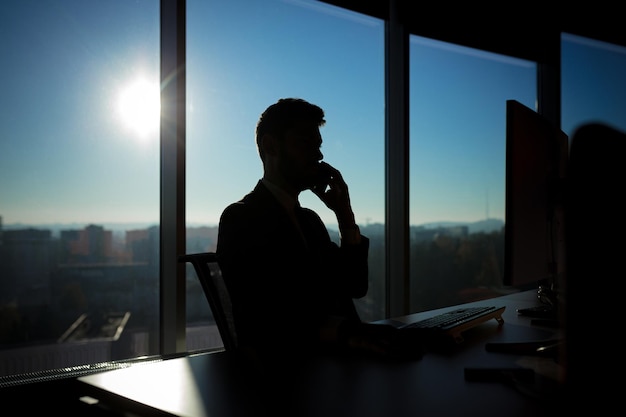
x: 241, y: 208
x: 251, y: 204
x: 236, y: 218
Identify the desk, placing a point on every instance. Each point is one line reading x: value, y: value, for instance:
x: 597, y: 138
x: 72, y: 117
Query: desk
x: 214, y: 384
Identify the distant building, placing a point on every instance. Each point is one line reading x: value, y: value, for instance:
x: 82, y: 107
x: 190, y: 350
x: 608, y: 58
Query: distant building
x: 91, y: 244
x: 26, y: 258
x: 143, y: 245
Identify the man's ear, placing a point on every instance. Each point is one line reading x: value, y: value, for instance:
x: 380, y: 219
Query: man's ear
x: 269, y: 144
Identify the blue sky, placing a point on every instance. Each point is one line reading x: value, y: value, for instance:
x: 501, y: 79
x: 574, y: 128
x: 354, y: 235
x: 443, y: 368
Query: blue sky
x: 68, y: 153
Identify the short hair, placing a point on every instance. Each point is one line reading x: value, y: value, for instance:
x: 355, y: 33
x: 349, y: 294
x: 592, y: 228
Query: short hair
x: 283, y: 115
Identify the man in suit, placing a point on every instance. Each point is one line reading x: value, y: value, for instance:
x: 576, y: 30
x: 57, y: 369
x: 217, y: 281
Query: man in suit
x: 291, y: 286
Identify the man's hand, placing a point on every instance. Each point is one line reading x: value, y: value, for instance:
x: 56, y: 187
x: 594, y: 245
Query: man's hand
x: 335, y: 196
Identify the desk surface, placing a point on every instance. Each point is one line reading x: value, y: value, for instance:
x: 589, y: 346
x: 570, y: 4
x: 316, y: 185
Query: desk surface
x: 214, y: 384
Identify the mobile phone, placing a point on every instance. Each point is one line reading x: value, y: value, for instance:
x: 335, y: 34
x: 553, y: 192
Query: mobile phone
x: 322, y: 180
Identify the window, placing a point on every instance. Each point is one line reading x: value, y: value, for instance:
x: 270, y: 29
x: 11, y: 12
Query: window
x: 593, y: 86
x: 457, y: 168
x: 79, y: 179
x: 79, y: 167
x: 241, y: 60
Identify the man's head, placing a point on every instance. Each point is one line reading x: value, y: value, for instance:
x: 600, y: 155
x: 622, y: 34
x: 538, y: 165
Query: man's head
x: 283, y: 116
x: 289, y: 142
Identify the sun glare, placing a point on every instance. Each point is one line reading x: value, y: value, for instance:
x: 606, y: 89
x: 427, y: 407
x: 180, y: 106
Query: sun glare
x: 139, y: 108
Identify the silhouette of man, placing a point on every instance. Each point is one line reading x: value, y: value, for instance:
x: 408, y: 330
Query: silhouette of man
x: 292, y: 287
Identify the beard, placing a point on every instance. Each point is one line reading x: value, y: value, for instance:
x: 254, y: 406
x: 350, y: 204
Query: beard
x: 299, y: 176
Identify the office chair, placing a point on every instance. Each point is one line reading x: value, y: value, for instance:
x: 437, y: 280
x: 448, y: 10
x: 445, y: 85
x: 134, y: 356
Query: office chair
x: 210, y: 276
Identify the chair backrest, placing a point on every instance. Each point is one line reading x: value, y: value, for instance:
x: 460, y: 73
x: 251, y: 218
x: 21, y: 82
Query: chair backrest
x: 216, y: 292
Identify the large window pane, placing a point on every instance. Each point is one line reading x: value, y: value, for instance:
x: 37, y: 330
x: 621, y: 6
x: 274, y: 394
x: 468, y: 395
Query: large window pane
x: 79, y: 180
x: 457, y: 169
x: 245, y: 55
x: 593, y: 85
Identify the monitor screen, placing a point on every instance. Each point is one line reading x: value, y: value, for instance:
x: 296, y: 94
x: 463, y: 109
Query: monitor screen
x: 536, y: 155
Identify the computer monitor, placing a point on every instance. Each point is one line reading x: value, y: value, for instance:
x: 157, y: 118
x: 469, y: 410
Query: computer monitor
x: 536, y: 156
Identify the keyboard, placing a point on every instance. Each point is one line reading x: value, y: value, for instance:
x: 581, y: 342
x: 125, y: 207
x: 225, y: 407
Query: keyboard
x: 454, y: 322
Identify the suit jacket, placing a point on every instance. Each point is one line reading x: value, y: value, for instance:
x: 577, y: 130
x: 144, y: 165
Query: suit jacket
x: 282, y: 288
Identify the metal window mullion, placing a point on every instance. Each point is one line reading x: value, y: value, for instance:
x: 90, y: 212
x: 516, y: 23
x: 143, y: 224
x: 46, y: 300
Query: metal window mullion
x: 172, y: 223
x: 396, y: 165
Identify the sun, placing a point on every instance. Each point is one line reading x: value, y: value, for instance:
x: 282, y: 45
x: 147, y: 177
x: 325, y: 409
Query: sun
x: 139, y: 107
